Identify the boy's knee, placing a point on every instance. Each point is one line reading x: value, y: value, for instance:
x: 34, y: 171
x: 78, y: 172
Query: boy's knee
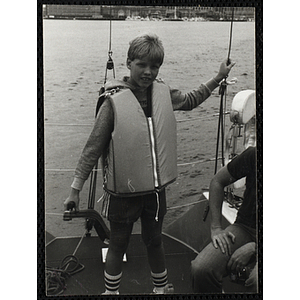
x: 154, y: 242
x: 119, y: 245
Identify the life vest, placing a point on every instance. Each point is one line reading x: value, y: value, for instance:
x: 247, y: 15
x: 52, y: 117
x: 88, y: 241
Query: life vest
x: 142, y: 156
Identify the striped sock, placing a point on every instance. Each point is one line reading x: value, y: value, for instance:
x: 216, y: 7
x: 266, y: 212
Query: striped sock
x: 160, y: 280
x: 112, y: 283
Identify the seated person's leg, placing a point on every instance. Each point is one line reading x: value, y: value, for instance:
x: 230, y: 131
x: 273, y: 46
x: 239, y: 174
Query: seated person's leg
x: 210, y: 266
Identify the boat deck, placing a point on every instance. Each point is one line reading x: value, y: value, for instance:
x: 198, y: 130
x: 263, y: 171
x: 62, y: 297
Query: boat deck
x: 136, y: 273
x: 182, y: 241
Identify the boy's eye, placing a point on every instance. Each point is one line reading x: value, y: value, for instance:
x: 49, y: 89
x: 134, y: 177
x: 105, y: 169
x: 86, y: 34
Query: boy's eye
x: 141, y: 65
x: 144, y: 65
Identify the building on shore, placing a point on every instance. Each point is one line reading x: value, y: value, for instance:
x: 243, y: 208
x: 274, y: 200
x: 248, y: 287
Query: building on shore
x: 122, y: 12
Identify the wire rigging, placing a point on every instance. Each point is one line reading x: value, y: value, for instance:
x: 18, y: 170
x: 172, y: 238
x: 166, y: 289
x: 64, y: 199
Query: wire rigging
x: 93, y: 180
x: 222, y: 93
x: 230, y: 38
x: 110, y: 63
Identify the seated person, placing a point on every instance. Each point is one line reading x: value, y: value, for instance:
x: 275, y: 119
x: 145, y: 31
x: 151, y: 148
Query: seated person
x: 231, y: 248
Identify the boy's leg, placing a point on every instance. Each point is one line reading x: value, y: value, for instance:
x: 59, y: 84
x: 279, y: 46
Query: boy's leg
x: 152, y: 237
x: 210, y: 266
x: 118, y: 243
x: 151, y: 234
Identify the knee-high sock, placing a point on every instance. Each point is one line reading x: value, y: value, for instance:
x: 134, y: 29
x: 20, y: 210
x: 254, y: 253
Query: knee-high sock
x: 112, y: 282
x: 160, y: 280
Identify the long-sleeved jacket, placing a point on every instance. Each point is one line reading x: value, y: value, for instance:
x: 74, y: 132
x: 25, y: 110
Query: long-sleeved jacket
x: 100, y: 136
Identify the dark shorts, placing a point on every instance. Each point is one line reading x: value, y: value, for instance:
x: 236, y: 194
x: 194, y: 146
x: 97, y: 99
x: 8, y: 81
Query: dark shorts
x: 130, y: 209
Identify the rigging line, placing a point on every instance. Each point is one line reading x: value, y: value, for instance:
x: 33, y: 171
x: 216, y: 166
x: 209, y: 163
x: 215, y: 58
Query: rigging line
x: 220, y: 122
x: 196, y: 162
x: 201, y: 118
x: 179, y: 165
x: 66, y: 170
x: 188, y: 204
x: 172, y: 207
x: 222, y: 92
x: 92, y: 191
x: 110, y: 63
x: 230, y: 39
x: 178, y: 121
x: 225, y: 90
x: 66, y: 124
x: 54, y: 214
x: 181, y: 242
x: 78, y: 245
x: 110, y: 31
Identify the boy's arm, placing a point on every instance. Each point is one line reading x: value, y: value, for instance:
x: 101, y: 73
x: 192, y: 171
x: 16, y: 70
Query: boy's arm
x: 194, y: 98
x: 97, y: 142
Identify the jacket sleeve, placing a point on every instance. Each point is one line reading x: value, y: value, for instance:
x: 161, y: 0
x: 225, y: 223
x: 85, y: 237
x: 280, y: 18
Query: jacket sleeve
x: 194, y: 98
x: 97, y: 142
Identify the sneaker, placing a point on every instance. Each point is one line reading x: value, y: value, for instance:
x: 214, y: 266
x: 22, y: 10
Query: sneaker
x: 167, y: 289
x: 110, y: 293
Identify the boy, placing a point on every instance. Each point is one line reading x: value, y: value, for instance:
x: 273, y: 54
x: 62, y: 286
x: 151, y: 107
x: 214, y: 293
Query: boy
x: 135, y: 133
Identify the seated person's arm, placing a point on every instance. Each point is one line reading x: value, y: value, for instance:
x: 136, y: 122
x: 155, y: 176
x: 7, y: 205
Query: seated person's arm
x: 220, y: 238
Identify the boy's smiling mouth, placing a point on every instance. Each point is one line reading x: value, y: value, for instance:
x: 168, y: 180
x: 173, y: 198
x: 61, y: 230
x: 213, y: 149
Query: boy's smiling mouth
x: 147, y: 79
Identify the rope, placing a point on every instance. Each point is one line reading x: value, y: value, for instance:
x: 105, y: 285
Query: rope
x: 56, y: 277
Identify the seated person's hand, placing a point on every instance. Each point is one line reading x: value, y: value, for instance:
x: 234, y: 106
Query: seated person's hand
x: 241, y: 257
x: 252, y: 280
x: 221, y: 239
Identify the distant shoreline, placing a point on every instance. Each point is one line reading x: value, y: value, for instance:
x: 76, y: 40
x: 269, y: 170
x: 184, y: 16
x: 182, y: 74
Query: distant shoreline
x: 142, y: 19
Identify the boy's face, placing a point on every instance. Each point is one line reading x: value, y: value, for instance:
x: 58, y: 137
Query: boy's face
x: 142, y: 72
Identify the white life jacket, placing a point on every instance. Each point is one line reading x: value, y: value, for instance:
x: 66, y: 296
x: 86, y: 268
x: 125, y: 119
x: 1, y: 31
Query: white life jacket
x: 142, y: 154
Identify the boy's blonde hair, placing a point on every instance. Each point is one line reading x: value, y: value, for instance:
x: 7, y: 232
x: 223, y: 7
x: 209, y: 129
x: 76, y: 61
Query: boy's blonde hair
x: 146, y: 46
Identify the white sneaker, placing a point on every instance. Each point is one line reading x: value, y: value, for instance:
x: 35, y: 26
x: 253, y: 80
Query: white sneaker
x: 167, y: 289
x: 110, y: 293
